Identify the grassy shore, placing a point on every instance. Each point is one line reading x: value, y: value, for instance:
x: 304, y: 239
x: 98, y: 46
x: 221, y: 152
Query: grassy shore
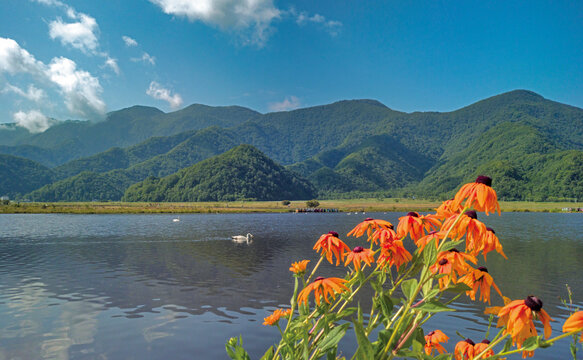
x: 353, y: 205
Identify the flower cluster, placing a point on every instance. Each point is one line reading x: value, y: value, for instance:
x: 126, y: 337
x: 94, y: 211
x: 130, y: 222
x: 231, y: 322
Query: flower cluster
x: 446, y: 248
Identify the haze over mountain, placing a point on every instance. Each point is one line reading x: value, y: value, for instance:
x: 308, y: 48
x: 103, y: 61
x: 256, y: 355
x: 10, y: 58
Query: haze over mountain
x: 532, y: 145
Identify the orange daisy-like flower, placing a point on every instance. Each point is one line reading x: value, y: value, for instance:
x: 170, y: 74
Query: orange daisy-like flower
x: 470, y: 226
x: 358, y: 255
x: 275, y: 316
x: 464, y: 350
x: 443, y: 266
x: 479, y: 279
x: 433, y: 340
x: 447, y: 209
x: 490, y: 242
x: 479, y: 195
x: 299, y: 267
x: 322, y: 287
x: 434, y: 235
x: 518, y: 317
x: 574, y: 323
x: 394, y: 253
x: 383, y: 235
x: 414, y: 225
x: 454, y: 264
x: 330, y: 244
x: 368, y: 225
x: 481, y: 346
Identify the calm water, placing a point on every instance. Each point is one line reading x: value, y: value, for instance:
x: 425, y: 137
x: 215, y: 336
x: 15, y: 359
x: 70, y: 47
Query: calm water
x: 144, y: 287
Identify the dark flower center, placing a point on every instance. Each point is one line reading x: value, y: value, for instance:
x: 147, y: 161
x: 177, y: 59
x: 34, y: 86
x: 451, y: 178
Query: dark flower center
x: 358, y: 249
x: 483, y: 268
x: 319, y: 278
x: 433, y: 232
x: 442, y: 262
x: 490, y: 229
x: 472, y: 214
x: 485, y: 341
x: 391, y: 227
x: 454, y: 250
x: 413, y: 213
x: 534, y: 303
x: 431, y: 333
x: 469, y: 341
x: 483, y: 179
x: 368, y: 219
x: 333, y: 233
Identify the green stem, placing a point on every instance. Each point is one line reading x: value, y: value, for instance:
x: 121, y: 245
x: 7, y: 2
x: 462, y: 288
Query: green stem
x: 549, y: 342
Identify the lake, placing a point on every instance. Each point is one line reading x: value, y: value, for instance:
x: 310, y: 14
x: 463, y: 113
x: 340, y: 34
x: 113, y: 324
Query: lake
x: 145, y: 287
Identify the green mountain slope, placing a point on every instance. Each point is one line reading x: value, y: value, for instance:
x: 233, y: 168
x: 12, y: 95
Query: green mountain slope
x: 241, y: 173
x: 86, y: 186
x: 19, y: 176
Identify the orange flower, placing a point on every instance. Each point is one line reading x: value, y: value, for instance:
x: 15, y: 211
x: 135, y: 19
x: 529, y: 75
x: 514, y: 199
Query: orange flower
x: 518, y: 317
x: 479, y: 279
x: 478, y: 195
x: 464, y: 350
x: 447, y: 209
x: 443, y: 266
x: 323, y: 287
x: 414, y: 224
x: 481, y: 346
x: 275, y: 316
x: 490, y: 242
x: 468, y: 225
x: 331, y: 244
x: 437, y: 235
x: 432, y: 342
x: 299, y: 267
x: 383, y: 235
x: 574, y: 323
x: 453, y: 263
x: 368, y: 225
x: 359, y: 254
x: 393, y: 253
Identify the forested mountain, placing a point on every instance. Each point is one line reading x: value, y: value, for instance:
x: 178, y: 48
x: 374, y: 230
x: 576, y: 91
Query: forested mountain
x: 242, y: 173
x: 348, y: 148
x: 19, y: 176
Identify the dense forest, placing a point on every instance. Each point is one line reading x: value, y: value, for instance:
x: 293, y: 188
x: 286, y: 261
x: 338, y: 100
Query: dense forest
x: 531, y: 146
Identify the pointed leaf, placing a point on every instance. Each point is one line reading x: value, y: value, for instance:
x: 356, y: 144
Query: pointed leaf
x: 434, y: 306
x: 409, y: 288
x: 365, y: 350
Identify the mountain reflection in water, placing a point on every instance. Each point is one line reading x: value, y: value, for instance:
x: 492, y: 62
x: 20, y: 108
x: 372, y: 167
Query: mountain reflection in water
x: 142, y: 286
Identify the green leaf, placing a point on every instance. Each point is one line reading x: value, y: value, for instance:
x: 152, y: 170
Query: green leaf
x: 507, y: 345
x: 386, y: 304
x: 409, y: 288
x: 430, y: 253
x: 450, y: 245
x: 433, y: 306
x: 458, y: 288
x: 333, y: 337
x: 365, y: 350
x: 268, y: 354
x: 444, y: 357
x: 531, y: 343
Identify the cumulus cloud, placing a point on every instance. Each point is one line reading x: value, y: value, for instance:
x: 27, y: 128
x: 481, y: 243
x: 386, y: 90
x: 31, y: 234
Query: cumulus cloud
x: 32, y: 93
x: 159, y: 93
x: 51, y: 2
x: 147, y: 58
x: 129, y: 41
x: 34, y: 121
x: 80, y: 35
x: 80, y: 90
x: 289, y: 103
x: 254, y: 16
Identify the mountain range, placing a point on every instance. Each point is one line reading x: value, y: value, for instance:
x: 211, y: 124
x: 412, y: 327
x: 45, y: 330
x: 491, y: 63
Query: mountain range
x: 531, y: 146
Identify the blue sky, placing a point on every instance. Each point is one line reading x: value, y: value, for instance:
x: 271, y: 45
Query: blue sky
x: 69, y: 59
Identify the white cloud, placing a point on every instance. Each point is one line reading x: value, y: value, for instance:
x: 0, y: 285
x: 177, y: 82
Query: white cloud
x: 82, y: 91
x: 331, y: 26
x: 34, y: 121
x: 32, y: 93
x: 112, y: 64
x: 289, y: 103
x: 147, y: 58
x: 80, y: 35
x: 254, y: 16
x: 51, y: 2
x: 129, y: 41
x: 14, y: 59
x: 158, y: 92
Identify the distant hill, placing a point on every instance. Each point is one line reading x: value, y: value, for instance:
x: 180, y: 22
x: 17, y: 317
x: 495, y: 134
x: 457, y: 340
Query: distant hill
x: 347, y: 148
x: 19, y: 176
x: 242, y: 173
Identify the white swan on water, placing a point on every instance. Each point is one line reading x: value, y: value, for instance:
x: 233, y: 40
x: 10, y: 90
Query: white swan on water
x: 177, y: 219
x: 241, y: 238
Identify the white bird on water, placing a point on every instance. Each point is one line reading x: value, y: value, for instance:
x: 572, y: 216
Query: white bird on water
x: 176, y: 219
x: 241, y: 238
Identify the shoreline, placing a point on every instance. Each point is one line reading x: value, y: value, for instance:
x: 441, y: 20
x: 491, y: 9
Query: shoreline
x: 346, y: 206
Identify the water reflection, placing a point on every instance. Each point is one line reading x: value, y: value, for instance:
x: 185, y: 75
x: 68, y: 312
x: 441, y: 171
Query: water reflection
x: 119, y: 286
